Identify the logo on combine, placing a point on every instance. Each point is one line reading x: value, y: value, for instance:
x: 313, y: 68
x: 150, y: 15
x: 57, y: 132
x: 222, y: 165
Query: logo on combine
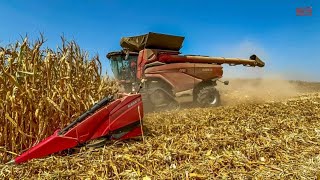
x: 206, y: 69
x: 182, y: 70
x: 304, y: 11
x: 133, y: 103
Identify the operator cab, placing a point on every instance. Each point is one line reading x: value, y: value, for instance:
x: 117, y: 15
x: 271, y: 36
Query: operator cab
x: 123, y: 66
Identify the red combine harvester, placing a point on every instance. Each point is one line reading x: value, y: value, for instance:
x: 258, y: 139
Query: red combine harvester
x: 169, y: 78
x: 151, y: 62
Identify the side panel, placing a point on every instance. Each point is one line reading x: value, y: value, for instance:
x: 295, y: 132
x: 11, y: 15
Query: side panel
x: 127, y: 112
x: 147, y: 56
x: 103, y: 129
x: 179, y: 81
x: 184, y: 76
x: 140, y: 64
x: 51, y: 144
x: 86, y: 128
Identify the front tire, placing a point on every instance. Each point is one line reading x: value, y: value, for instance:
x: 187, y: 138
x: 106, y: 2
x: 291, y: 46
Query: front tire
x: 208, y: 96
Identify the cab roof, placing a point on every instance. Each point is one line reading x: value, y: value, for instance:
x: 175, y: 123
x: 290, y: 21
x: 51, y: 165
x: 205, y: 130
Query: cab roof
x: 117, y: 53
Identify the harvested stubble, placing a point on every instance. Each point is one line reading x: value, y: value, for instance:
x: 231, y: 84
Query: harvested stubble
x: 278, y: 140
x: 44, y: 89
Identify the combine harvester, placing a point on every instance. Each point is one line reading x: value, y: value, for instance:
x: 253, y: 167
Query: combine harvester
x: 151, y: 63
x: 168, y: 77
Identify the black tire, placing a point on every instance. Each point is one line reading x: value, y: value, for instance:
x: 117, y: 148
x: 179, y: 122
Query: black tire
x: 208, y: 96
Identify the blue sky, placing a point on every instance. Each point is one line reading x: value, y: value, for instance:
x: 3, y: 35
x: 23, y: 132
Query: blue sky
x: 289, y: 44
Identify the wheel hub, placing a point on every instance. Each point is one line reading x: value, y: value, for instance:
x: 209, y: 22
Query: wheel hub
x: 212, y: 100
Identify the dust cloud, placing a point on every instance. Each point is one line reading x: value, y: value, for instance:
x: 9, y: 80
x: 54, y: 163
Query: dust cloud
x: 264, y: 89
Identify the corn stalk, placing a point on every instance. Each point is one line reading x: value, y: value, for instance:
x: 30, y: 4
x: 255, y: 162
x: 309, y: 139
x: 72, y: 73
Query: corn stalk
x: 42, y: 89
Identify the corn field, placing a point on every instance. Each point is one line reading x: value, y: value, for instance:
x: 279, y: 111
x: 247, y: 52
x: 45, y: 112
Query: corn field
x: 275, y: 140
x: 42, y: 89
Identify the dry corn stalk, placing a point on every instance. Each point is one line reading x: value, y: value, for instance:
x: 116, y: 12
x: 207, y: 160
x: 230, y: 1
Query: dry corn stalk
x: 44, y: 89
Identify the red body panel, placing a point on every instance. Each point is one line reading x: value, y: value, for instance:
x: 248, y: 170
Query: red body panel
x: 84, y: 130
x: 104, y: 127
x: 52, y: 144
x: 129, y: 112
x: 184, y: 76
x: 118, y: 114
x: 179, y: 72
x: 140, y: 64
x: 148, y: 56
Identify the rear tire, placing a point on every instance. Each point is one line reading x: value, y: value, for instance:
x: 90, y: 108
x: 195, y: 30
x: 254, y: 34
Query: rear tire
x: 208, y: 96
